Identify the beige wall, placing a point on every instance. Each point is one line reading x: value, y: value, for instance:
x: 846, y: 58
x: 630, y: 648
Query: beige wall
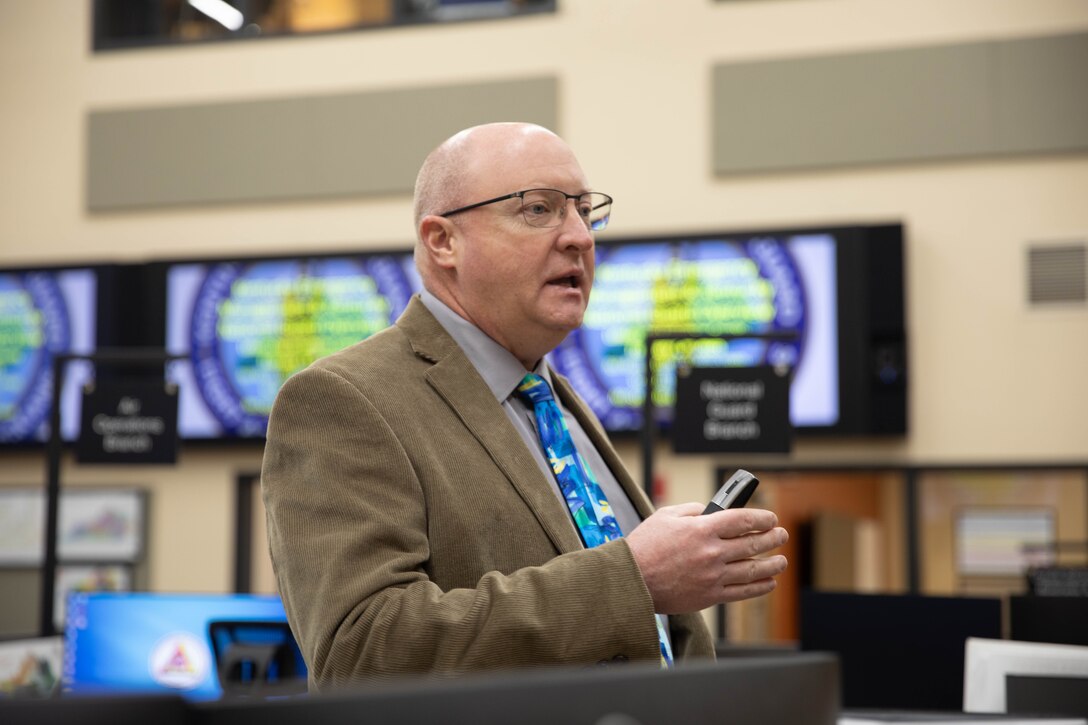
x: 992, y: 380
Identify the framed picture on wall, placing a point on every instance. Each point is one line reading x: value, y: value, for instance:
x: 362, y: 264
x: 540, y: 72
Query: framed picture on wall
x: 101, y: 525
x: 31, y: 668
x: 93, y: 525
x: 83, y: 578
x: 21, y: 524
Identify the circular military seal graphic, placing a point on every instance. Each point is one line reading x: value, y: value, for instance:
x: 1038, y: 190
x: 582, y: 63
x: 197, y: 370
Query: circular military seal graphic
x: 255, y: 324
x: 34, y: 326
x: 698, y: 287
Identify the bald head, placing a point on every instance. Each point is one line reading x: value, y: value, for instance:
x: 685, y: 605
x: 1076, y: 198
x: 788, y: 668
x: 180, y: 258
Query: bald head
x: 448, y: 173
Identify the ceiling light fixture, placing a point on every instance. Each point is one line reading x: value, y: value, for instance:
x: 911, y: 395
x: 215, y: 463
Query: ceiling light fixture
x: 221, y: 12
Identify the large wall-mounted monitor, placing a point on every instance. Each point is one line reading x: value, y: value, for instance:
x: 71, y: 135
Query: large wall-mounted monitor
x: 244, y: 326
x: 831, y: 297
x: 826, y: 303
x: 44, y: 313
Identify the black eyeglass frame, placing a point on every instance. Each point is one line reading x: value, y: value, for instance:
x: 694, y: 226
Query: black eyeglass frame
x: 521, y: 195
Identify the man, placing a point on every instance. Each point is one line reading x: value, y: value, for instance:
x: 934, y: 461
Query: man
x: 414, y: 523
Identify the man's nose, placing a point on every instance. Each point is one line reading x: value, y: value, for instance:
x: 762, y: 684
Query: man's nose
x: 575, y: 230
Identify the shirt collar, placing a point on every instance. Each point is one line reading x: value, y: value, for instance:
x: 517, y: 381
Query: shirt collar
x: 501, y: 371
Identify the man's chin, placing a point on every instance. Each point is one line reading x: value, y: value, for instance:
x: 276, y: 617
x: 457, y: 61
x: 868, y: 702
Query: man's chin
x: 565, y: 317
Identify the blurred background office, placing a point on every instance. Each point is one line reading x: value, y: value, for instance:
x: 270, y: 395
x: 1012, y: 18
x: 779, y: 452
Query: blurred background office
x: 140, y: 133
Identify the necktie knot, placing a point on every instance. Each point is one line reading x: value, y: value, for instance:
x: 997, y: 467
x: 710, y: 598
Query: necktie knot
x: 534, y: 389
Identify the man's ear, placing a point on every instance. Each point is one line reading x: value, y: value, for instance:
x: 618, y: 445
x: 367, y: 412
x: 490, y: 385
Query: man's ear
x: 439, y: 236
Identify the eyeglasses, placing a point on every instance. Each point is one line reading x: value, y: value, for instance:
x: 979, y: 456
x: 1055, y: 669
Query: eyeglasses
x: 548, y: 207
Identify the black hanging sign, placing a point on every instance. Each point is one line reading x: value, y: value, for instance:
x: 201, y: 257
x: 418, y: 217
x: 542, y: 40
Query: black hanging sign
x: 732, y: 410
x: 129, y: 423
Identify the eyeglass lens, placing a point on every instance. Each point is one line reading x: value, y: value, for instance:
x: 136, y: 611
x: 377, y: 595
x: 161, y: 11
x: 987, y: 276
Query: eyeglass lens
x: 547, y: 208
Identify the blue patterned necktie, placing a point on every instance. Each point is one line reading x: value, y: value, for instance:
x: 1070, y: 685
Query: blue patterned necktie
x: 587, y: 503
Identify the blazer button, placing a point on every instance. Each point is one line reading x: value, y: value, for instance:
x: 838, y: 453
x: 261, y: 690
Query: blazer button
x: 619, y: 658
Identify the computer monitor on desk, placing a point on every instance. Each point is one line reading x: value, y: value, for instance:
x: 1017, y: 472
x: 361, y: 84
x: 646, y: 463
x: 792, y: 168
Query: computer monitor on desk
x: 898, y: 651
x: 991, y: 662
x: 1059, y: 620
x: 198, y: 646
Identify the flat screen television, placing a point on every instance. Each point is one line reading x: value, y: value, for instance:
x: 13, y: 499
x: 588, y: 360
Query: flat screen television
x: 44, y: 312
x: 826, y: 303
x: 244, y: 326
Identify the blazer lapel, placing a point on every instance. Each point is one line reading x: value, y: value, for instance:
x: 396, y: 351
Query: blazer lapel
x: 455, y: 379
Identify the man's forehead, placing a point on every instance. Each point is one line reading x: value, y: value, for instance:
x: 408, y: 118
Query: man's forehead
x: 527, y: 156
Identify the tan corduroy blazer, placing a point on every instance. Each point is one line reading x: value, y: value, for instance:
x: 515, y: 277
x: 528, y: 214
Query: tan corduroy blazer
x: 411, y: 531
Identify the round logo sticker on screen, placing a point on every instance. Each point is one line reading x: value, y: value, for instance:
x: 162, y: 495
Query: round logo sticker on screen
x: 180, y: 661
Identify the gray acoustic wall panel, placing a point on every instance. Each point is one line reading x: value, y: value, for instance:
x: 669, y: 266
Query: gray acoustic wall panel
x: 950, y: 101
x: 1041, y: 94
x: 291, y: 148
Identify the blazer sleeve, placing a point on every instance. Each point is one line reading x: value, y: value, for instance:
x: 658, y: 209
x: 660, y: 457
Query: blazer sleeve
x: 349, y: 539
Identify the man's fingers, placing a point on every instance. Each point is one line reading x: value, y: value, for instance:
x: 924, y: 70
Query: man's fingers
x: 685, y: 509
x: 753, y: 544
x: 732, y: 523
x: 737, y: 592
x: 748, y: 571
